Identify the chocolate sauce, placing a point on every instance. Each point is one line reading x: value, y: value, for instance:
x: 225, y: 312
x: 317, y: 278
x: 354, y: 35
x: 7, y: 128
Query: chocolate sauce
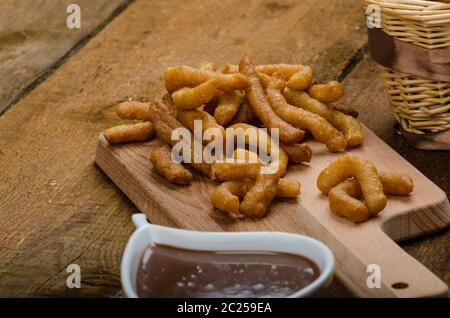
x: 171, y: 272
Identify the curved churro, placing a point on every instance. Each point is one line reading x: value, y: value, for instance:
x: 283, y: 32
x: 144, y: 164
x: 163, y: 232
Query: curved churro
x: 228, y: 106
x: 344, y: 198
x: 343, y: 201
x: 348, y: 166
x: 348, y: 125
x: 279, y: 157
x: 258, y: 198
x: 321, y: 129
x: 188, y: 117
x: 226, y: 196
x: 244, y: 115
x: 261, y: 107
x: 189, y: 98
x: 327, y: 93
x: 163, y: 164
x: 302, y: 79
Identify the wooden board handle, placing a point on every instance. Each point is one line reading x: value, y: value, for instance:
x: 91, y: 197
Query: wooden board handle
x: 400, y: 274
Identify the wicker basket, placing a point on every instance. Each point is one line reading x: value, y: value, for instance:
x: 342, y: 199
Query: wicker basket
x: 421, y: 105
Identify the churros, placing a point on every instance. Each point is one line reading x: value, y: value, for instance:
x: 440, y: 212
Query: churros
x: 257, y: 199
x: 244, y: 115
x: 188, y: 117
x: 163, y: 164
x: 165, y: 124
x: 261, y: 107
x: 326, y: 93
x: 278, y: 156
x: 321, y: 129
x: 285, y: 102
x: 226, y: 196
x: 302, y: 79
x: 287, y: 70
x: 129, y: 133
x: 344, y: 198
x: 132, y: 110
x: 228, y: 106
x: 224, y: 171
x: 297, y: 153
x: 189, y: 98
x: 184, y: 76
x: 348, y: 125
x: 349, y: 166
x: 208, y: 66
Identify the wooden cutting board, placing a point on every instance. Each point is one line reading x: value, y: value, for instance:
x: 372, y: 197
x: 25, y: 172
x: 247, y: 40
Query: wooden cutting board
x: 355, y: 246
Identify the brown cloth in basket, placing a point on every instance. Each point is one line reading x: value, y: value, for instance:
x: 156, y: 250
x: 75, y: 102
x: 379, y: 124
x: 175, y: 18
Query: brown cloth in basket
x: 432, y: 141
x: 409, y: 58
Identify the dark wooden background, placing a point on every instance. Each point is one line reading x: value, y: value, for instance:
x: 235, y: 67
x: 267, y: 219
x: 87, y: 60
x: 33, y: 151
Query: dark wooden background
x: 58, y: 87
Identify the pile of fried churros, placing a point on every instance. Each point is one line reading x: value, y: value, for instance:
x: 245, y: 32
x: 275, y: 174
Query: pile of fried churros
x: 279, y: 97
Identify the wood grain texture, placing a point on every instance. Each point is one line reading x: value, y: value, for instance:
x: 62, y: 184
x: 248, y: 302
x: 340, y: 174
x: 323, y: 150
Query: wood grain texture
x: 34, y: 36
x: 56, y: 207
x: 355, y: 246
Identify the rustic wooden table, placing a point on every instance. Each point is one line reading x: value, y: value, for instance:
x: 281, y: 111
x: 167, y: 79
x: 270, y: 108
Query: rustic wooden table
x: 58, y: 88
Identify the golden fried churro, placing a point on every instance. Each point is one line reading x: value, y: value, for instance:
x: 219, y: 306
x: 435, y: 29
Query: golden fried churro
x: 326, y: 93
x: 261, y: 107
x: 244, y: 115
x: 184, y: 76
x: 348, y: 125
x: 288, y: 188
x: 129, y: 133
x: 321, y: 129
x: 207, y: 66
x: 264, y: 79
x: 164, y: 165
x: 278, y: 156
x: 132, y: 110
x: 343, y: 201
x: 226, y: 196
x: 228, y: 106
x: 165, y: 124
x: 297, y: 153
x: 348, y: 166
x: 344, y: 198
x: 188, y: 117
x: 302, y: 79
x: 258, y: 198
x: 287, y: 70
x: 230, y: 69
x: 396, y: 183
x: 224, y: 171
x: 189, y: 98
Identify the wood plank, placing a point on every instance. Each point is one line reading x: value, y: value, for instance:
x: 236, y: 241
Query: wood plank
x: 51, y: 134
x: 365, y: 92
x: 34, y: 36
x: 355, y: 246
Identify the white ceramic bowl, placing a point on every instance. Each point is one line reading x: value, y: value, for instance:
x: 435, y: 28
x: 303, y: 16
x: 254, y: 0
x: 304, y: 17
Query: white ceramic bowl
x: 147, y: 233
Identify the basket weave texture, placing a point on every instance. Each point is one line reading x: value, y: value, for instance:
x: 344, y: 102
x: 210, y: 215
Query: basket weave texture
x: 421, y: 105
